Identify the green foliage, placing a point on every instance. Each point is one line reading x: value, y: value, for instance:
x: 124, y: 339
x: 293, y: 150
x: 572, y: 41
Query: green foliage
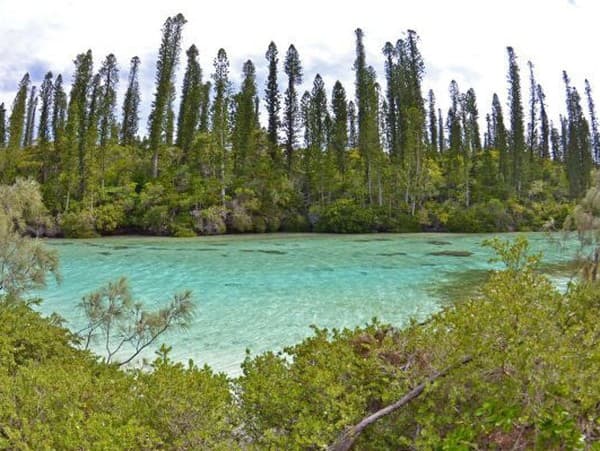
x: 531, y: 383
x: 122, y: 325
x: 24, y: 262
x: 78, y: 225
x: 344, y: 216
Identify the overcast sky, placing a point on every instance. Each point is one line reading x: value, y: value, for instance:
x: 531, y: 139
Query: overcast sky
x: 463, y: 40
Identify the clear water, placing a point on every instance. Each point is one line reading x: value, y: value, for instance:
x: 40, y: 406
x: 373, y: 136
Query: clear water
x: 262, y: 292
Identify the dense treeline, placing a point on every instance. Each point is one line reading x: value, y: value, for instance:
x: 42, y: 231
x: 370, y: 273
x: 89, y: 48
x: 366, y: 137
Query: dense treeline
x: 379, y: 157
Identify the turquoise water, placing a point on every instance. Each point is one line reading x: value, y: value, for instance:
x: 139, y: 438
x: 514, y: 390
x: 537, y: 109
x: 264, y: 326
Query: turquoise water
x: 262, y: 292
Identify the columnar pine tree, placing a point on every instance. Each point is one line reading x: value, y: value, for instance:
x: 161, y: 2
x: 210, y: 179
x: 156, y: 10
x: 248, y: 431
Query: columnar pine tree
x: 500, y: 140
x: 204, y: 118
x: 455, y: 132
x: 30, y: 121
x: 305, y: 117
x: 555, y: 142
x: 161, y: 120
x: 273, y: 101
x: 578, y: 157
x: 544, y: 125
x: 44, y: 136
x: 441, y: 134
x: 368, y: 124
x: 291, y: 121
x: 59, y: 113
x: 109, y: 75
x: 433, y: 134
x: 472, y: 134
x: 339, y: 132
x: 220, y: 111
x: 245, y: 121
x: 593, y: 122
x: 315, y: 113
x: 16, y: 122
x: 564, y: 137
x: 517, y: 129
x: 88, y: 182
x: 472, y: 139
x: 46, y: 96
x: 191, y: 98
x: 532, y: 135
x: 131, y: 103
x: 392, y: 99
x: 76, y: 129
x: 352, y: 127
x: 489, y: 133
x: 2, y: 126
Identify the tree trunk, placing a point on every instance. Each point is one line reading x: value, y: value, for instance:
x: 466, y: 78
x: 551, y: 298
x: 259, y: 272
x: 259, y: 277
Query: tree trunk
x: 347, y: 439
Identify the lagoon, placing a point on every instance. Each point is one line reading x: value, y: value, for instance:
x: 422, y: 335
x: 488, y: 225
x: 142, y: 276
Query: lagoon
x: 262, y: 292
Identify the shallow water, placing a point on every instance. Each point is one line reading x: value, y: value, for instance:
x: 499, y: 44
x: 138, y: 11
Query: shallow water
x: 262, y: 292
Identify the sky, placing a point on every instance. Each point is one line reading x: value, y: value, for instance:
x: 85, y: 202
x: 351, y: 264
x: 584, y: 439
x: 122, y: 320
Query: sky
x: 463, y: 40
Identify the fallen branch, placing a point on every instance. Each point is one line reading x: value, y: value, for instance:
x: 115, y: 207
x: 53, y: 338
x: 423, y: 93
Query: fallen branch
x: 346, y: 440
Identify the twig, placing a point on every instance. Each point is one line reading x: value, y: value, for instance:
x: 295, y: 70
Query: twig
x: 346, y: 440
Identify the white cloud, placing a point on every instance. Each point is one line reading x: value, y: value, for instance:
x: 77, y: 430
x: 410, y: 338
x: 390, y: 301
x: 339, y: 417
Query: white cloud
x: 462, y: 39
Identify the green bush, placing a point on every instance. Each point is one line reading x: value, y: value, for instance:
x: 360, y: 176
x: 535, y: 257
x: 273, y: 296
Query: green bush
x: 79, y: 224
x: 210, y: 221
x: 344, y: 216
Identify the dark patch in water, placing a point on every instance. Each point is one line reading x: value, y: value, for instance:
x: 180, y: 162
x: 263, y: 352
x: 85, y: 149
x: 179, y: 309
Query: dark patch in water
x: 94, y: 244
x: 370, y: 240
x: 232, y: 284
x: 60, y: 244
x: 105, y: 253
x: 224, y: 255
x: 452, y: 253
x: 428, y: 264
x: 439, y: 243
x: 391, y: 254
x: 264, y: 251
x: 459, y: 286
x: 364, y: 273
x: 216, y: 244
x: 119, y: 248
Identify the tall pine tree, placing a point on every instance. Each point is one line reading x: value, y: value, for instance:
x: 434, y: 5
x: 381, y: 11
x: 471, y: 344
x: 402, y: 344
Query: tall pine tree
x: 161, y: 119
x: 433, y: 133
x: 517, y: 129
x: 30, y: 121
x: 191, y: 98
x: 291, y: 122
x: 131, y: 104
x: 273, y: 101
x: 578, y: 157
x: 339, y: 132
x: 59, y: 113
x: 220, y: 112
x: 109, y: 77
x: 16, y: 122
x: 44, y: 132
x: 244, y: 129
x: 2, y: 126
x: 500, y: 140
x: 593, y: 122
x: 544, y: 124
